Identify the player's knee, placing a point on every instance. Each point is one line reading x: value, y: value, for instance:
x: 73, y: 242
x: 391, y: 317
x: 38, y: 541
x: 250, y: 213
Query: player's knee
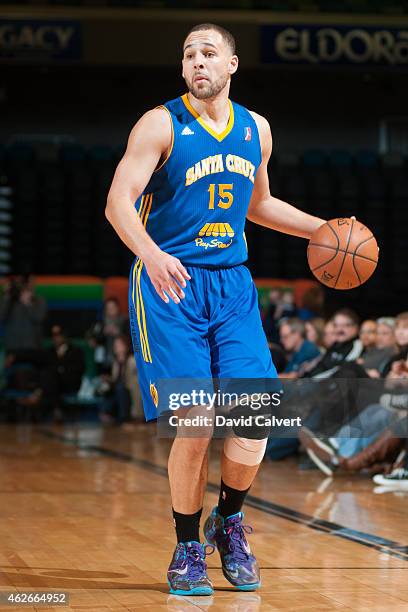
x: 244, y: 450
x: 250, y: 422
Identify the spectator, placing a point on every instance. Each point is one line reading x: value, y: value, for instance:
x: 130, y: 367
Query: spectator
x: 117, y: 402
x: 347, y: 345
x: 368, y: 332
x: 315, y: 332
x: 102, y: 335
x: 22, y: 314
x: 374, y: 421
x: 67, y: 360
x: 60, y: 373
x: 329, y: 334
x: 385, y: 337
x: 375, y: 360
x: 373, y: 437
x: 300, y: 350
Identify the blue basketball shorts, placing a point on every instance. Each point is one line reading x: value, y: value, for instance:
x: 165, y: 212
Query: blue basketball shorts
x: 215, y: 332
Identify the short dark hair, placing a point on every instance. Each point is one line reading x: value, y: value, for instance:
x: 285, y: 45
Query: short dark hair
x: 350, y: 314
x: 226, y: 35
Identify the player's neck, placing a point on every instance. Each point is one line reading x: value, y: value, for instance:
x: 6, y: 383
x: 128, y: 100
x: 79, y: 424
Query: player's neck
x: 215, y: 110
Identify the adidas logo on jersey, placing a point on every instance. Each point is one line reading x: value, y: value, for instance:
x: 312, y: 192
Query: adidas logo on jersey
x: 187, y: 131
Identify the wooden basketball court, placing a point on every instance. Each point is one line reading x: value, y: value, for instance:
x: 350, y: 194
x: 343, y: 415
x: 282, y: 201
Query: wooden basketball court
x: 87, y: 511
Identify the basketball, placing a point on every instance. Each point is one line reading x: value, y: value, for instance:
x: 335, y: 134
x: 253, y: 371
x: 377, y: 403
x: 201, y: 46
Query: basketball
x: 342, y: 253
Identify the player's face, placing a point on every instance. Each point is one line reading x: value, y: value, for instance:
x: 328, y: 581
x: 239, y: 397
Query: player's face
x: 207, y: 64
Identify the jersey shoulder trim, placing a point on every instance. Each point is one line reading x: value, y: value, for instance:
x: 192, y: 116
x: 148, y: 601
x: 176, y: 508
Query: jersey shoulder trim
x: 172, y: 138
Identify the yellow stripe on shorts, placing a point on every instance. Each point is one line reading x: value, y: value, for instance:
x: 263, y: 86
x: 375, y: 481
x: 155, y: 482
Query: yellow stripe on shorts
x: 144, y: 210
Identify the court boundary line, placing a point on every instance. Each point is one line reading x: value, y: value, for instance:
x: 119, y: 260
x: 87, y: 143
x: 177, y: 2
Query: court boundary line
x: 383, y: 545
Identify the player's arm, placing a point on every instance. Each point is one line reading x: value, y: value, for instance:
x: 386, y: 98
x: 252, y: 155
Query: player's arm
x: 266, y: 210
x: 148, y: 142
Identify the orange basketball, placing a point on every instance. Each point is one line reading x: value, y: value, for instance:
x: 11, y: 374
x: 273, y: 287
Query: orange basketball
x: 342, y: 253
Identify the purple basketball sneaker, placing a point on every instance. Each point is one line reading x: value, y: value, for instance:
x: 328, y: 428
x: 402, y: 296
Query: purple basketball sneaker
x: 187, y: 573
x: 239, y: 565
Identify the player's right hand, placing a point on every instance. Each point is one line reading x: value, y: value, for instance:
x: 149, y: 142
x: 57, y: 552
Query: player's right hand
x: 167, y: 273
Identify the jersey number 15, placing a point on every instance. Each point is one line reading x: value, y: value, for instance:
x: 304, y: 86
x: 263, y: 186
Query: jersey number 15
x: 224, y: 193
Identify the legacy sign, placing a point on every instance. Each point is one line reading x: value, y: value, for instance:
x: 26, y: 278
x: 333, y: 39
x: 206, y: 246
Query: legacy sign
x: 35, y: 40
x: 331, y: 44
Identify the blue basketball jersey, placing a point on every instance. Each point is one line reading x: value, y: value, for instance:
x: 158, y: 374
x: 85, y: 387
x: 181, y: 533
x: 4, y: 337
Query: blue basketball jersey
x: 195, y: 204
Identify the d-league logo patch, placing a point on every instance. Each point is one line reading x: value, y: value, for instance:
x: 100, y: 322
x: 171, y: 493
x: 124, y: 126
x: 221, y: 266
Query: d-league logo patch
x: 247, y: 134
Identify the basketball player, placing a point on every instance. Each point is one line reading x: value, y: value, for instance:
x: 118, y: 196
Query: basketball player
x: 195, y: 168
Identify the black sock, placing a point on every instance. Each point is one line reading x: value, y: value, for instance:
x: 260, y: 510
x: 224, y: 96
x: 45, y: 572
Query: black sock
x: 230, y: 500
x: 187, y: 526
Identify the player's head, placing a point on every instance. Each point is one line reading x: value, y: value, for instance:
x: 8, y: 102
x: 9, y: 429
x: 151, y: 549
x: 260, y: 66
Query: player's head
x: 209, y: 53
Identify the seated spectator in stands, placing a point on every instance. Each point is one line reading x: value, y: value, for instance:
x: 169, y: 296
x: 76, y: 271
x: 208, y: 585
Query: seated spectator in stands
x: 22, y: 314
x: 60, y: 373
x: 347, y: 345
x: 312, y: 303
x: 368, y: 331
x: 102, y: 335
x: 300, y: 351
x: 375, y: 420
x: 375, y: 436
x: 329, y: 334
x: 375, y: 360
x: 67, y: 360
x: 117, y: 402
x: 314, y: 332
x: 281, y: 305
